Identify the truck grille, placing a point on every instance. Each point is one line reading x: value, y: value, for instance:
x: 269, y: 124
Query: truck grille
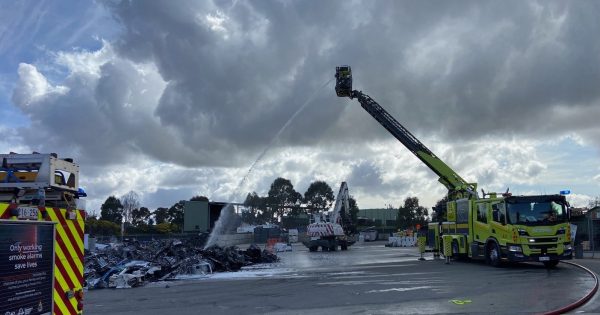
x: 542, y: 240
x: 542, y: 247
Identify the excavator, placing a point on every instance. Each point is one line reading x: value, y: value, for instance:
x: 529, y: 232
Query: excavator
x: 329, y: 231
x: 496, y: 227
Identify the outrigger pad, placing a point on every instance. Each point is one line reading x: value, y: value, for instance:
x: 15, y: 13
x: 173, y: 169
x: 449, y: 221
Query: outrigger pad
x: 343, y: 82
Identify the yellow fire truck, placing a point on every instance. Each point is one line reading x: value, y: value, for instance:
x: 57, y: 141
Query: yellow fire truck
x: 494, y: 227
x: 41, y: 235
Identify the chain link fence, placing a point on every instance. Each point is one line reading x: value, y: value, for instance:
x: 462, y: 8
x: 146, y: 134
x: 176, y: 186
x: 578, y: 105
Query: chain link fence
x: 104, y: 239
x: 587, y: 236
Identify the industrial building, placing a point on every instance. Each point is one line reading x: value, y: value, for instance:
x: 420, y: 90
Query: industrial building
x: 201, y: 216
x: 381, y: 217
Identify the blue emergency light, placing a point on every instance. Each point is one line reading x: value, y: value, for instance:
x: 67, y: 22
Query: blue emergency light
x: 565, y: 192
x: 81, y: 192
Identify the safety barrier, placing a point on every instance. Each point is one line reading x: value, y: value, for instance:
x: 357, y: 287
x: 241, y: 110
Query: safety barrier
x: 271, y: 244
x: 402, y: 241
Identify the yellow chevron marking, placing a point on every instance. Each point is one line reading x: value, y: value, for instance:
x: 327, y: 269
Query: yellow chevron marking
x: 70, y: 272
x: 70, y: 226
x: 58, y: 302
x: 63, y: 235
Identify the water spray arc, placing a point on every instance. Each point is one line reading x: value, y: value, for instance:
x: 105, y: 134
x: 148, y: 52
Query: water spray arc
x: 227, y: 214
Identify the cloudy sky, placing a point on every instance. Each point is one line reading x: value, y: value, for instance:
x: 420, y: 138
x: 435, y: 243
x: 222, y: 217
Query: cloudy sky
x: 173, y: 99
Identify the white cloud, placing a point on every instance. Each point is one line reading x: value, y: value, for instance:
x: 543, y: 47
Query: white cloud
x: 33, y: 86
x: 86, y: 62
x: 579, y: 200
x: 188, y: 94
x: 216, y: 22
x: 11, y: 142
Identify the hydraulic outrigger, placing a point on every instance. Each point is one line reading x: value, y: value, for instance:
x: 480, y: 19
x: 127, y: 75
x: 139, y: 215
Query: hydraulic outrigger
x: 494, y: 228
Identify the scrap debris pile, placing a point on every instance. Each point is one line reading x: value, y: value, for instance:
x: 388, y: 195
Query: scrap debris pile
x: 132, y: 263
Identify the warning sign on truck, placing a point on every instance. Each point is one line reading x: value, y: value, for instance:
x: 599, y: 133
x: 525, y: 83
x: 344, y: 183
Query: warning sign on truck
x: 26, y: 266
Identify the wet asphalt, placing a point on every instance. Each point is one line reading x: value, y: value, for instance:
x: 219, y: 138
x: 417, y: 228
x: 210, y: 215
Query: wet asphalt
x: 367, y: 279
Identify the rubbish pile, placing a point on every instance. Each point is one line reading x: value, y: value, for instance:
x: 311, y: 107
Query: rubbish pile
x: 132, y: 263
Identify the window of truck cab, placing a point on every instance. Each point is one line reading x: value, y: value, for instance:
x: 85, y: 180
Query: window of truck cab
x: 482, y: 212
x: 499, y: 213
x: 536, y: 212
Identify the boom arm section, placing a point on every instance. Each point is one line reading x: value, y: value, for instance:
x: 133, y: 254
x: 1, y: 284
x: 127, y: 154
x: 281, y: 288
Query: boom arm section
x: 457, y: 187
x: 341, y: 204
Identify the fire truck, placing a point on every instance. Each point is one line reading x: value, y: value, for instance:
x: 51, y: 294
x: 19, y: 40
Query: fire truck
x: 495, y: 227
x: 41, y: 235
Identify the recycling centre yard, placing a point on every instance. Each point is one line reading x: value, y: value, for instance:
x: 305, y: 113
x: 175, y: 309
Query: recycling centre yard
x: 368, y: 278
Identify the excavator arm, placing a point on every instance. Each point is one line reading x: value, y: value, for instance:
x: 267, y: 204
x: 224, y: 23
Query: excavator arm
x: 457, y: 187
x: 341, y: 205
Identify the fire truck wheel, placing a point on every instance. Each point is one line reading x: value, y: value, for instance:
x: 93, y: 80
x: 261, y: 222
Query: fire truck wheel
x: 313, y: 248
x: 344, y: 246
x: 493, y: 254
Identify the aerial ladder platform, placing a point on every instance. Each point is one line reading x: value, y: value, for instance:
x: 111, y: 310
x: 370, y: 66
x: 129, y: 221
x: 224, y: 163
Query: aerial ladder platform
x: 457, y: 187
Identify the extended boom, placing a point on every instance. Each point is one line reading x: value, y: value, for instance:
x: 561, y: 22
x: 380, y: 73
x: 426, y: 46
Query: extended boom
x: 457, y: 187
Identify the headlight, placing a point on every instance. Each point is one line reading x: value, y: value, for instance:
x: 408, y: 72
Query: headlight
x: 515, y: 248
x: 561, y: 231
x: 523, y: 232
x: 568, y: 247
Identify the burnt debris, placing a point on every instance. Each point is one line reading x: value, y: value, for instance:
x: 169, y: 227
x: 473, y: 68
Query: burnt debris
x: 132, y: 263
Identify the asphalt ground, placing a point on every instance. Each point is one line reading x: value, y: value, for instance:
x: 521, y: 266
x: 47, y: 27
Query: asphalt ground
x: 367, y: 279
x: 593, y: 305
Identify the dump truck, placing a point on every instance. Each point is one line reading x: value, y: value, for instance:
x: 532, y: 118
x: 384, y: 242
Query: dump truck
x: 328, y: 231
x: 41, y: 235
x: 495, y: 227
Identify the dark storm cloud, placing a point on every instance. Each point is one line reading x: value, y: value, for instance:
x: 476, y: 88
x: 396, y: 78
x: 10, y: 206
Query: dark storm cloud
x: 367, y: 178
x: 236, y: 71
x: 364, y: 175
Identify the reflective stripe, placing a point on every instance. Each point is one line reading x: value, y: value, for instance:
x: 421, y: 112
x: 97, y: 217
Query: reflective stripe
x: 60, y: 299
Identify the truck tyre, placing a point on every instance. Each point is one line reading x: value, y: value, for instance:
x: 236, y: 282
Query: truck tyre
x: 344, y: 246
x: 313, y: 248
x: 493, y: 254
x: 551, y: 264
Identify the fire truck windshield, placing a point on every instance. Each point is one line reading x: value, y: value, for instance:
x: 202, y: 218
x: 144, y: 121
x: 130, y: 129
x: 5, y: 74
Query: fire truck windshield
x: 530, y: 212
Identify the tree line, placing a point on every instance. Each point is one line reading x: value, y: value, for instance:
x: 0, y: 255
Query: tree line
x: 282, y: 200
x: 135, y: 219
